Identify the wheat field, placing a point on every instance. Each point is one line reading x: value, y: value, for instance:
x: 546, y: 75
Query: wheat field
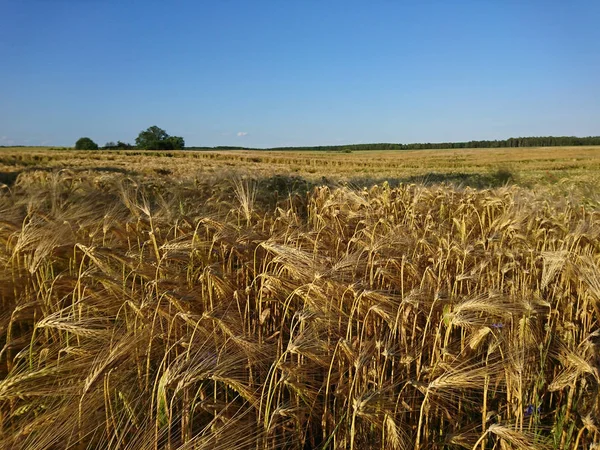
x: 224, y: 311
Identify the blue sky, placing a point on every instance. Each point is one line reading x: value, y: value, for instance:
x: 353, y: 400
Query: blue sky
x: 297, y: 72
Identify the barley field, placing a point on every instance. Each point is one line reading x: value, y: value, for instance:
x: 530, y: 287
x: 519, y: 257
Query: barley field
x: 472, y: 167
x: 271, y: 300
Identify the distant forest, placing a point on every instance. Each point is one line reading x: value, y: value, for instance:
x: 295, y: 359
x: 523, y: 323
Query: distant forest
x: 541, y: 141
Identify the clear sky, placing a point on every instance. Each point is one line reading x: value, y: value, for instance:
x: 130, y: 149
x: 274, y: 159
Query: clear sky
x: 263, y: 73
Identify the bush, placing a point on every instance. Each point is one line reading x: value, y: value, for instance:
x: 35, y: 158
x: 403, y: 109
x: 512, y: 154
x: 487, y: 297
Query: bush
x: 85, y: 143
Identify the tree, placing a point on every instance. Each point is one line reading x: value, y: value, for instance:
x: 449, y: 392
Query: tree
x: 85, y: 143
x: 124, y: 146
x: 176, y: 142
x: 155, y: 138
x: 118, y: 146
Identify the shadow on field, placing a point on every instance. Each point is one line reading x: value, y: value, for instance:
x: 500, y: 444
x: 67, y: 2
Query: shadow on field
x: 274, y: 189
x: 278, y: 187
x: 8, y: 178
x: 110, y: 169
x: 498, y: 178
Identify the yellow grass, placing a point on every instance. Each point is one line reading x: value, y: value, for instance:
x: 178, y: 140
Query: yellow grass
x: 545, y: 165
x: 269, y: 311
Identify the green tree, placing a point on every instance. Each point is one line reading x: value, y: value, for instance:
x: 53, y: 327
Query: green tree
x: 118, y: 146
x: 176, y: 142
x: 124, y: 145
x: 155, y: 138
x: 85, y: 143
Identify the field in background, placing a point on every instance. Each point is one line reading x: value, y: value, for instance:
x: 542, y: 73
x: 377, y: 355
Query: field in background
x: 253, y: 300
x: 477, y: 167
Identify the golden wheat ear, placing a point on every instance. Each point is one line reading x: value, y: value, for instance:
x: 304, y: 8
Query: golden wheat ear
x: 140, y: 314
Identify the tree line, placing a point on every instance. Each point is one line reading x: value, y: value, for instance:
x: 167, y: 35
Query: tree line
x: 535, y: 141
x: 154, y: 138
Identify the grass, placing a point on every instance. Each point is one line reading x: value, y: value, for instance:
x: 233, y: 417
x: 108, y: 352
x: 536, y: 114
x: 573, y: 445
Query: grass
x: 278, y: 311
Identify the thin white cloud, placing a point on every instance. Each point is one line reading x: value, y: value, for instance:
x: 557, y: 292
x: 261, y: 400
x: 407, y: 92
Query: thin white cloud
x: 242, y: 133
